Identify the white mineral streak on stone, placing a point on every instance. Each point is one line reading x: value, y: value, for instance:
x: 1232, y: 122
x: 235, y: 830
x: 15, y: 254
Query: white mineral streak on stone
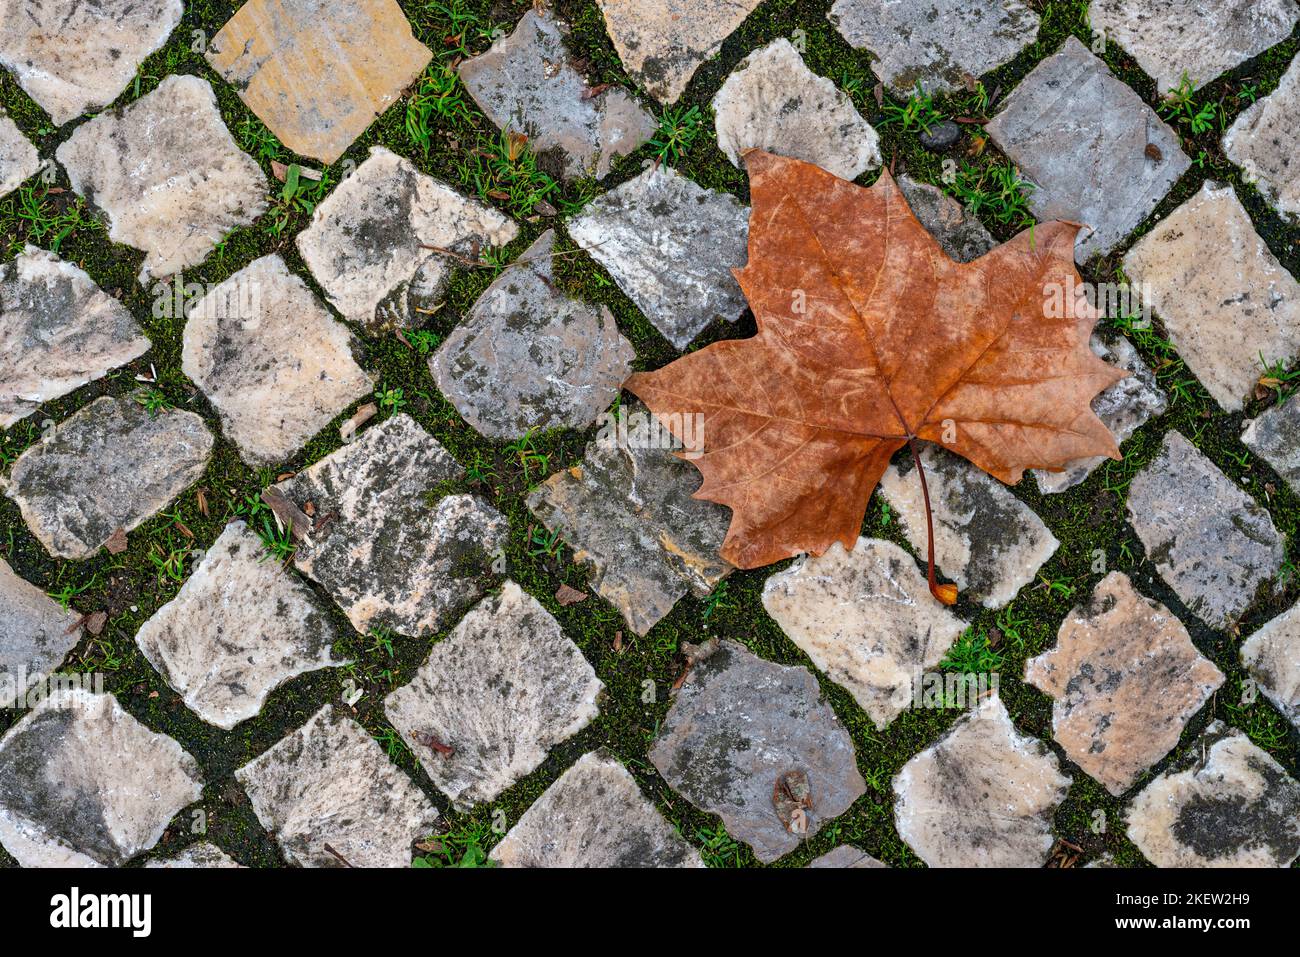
x: 1224, y: 298
x: 366, y: 241
x: 983, y: 795
x: 867, y: 619
x: 594, y: 816
x: 271, y: 358
x: 330, y: 783
x: 84, y: 784
x: 501, y: 690
x: 239, y: 627
x: 167, y: 174
x: 58, y: 331
x: 773, y: 102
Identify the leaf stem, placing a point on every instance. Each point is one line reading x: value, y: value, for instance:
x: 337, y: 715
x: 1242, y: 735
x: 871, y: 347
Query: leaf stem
x: 945, y: 594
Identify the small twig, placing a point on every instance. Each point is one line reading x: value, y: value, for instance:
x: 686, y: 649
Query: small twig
x: 337, y: 856
x: 291, y: 516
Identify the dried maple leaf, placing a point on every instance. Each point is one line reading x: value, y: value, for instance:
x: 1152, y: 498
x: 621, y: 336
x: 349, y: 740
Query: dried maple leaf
x: 871, y: 338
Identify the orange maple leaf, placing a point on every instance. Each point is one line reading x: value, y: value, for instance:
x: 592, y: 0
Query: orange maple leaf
x: 871, y: 338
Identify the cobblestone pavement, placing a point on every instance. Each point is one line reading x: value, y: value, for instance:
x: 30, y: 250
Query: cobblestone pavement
x: 323, y: 509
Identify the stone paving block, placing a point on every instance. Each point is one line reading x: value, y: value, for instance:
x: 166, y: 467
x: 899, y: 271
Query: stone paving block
x: 846, y: 856
x: 935, y: 44
x: 36, y: 634
x: 112, y: 465
x: 594, y: 816
x: 317, y: 72
x: 527, y: 83
x: 391, y: 548
x: 627, y: 511
x: 1126, y: 679
x: 19, y: 160
x: 1124, y: 408
x: 166, y: 174
x: 271, y: 359
x: 1275, y: 437
x: 866, y: 618
x: 74, y: 58
x: 1222, y: 295
x: 84, y: 784
x: 1226, y: 803
x: 365, y: 241
x: 529, y: 357
x: 58, y: 331
x: 738, y: 727
x: 663, y: 42
x: 985, y: 539
x: 1095, y: 153
x: 239, y: 627
x: 1173, y: 38
x: 501, y: 690
x: 773, y: 102
x: 1272, y: 655
x: 983, y: 795
x: 1208, y: 539
x: 961, y: 235
x: 198, y: 855
x: 1262, y: 142
x: 329, y: 785
x: 671, y: 246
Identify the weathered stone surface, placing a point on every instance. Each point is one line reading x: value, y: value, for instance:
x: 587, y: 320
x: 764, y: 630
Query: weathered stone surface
x: 1224, y: 298
x: 527, y: 83
x: 985, y: 539
x: 627, y: 511
x: 202, y: 854
x: 739, y: 724
x: 1262, y: 142
x: 1208, y: 539
x: 396, y: 552
x: 18, y: 158
x: 1085, y: 141
x: 1275, y: 437
x: 1226, y: 803
x: 1125, y: 407
x: 983, y: 795
x: 503, y: 689
x: 84, y: 784
x: 594, y: 816
x: 867, y: 619
x: 36, y: 634
x: 110, y: 466
x: 74, y: 58
x: 773, y: 102
x: 167, y: 174
x: 239, y: 627
x: 961, y: 235
x: 663, y: 42
x: 846, y: 856
x: 58, y: 331
x: 317, y: 73
x: 671, y: 246
x: 330, y: 783
x: 1173, y: 38
x: 1272, y: 655
x: 364, y: 244
x: 1126, y: 679
x: 529, y: 357
x: 271, y: 358
x: 935, y: 43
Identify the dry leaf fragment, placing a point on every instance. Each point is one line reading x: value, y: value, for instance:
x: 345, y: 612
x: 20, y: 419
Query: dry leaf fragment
x: 202, y: 496
x: 359, y: 418
x: 870, y: 338
x: 569, y: 596
x: 287, y: 514
x: 792, y: 798
x: 117, y: 542
x: 95, y: 623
